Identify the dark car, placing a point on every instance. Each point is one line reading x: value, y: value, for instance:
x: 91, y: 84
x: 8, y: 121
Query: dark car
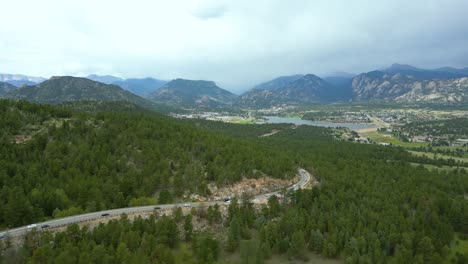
x: 157, y: 208
x: 45, y: 226
x: 105, y: 214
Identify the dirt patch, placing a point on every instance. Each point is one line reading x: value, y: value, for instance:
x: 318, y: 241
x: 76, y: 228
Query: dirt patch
x: 367, y: 130
x: 274, y: 131
x: 20, y: 139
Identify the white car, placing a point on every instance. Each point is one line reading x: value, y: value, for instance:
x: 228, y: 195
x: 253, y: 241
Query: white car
x: 31, y: 226
x: 187, y: 205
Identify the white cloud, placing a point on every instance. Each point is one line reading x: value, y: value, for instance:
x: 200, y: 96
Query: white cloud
x: 236, y: 43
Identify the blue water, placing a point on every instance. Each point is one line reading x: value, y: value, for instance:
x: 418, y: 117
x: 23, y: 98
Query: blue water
x: 298, y: 121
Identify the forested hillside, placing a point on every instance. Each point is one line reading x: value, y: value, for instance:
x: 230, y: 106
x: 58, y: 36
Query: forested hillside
x: 55, y: 162
x: 371, y: 205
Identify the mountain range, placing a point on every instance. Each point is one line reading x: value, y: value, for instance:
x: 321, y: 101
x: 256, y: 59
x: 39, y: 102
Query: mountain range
x: 397, y: 83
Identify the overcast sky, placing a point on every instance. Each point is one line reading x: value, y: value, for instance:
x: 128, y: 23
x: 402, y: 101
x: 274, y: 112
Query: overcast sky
x: 236, y: 43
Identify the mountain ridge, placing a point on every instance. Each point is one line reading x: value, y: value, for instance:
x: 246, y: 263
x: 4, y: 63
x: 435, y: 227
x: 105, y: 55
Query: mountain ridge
x: 60, y: 89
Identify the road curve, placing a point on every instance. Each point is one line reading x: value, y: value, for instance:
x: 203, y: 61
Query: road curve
x: 305, y: 179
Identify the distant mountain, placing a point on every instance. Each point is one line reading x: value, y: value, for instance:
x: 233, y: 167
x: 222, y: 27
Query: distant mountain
x: 108, y: 79
x: 192, y: 93
x: 463, y: 71
x: 308, y: 88
x: 399, y: 87
x: 423, y: 74
x: 19, y: 79
x: 278, y: 82
x: 142, y: 87
x: 261, y: 98
x: 66, y: 88
x: 6, y: 88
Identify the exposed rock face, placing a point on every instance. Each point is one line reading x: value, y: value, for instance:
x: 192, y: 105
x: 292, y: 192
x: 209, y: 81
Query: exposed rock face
x: 378, y: 85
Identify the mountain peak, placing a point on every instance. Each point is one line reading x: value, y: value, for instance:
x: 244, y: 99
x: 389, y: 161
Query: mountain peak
x: 402, y: 67
x: 192, y: 92
x: 310, y: 76
x: 278, y: 82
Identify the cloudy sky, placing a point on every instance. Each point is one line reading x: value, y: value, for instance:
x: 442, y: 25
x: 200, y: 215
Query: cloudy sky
x: 236, y: 43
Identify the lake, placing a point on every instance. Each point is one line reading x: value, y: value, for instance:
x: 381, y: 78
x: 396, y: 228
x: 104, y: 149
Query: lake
x: 298, y: 121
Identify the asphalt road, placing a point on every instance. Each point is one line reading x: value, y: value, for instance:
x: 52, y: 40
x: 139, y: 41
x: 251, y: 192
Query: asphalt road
x: 305, y: 179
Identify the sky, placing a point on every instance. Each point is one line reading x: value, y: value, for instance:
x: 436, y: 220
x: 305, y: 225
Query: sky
x: 236, y: 43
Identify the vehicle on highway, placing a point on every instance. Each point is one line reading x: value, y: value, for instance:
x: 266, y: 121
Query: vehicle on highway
x: 3, y: 235
x: 187, y: 205
x: 31, y: 226
x: 45, y: 226
x: 157, y: 208
x: 105, y: 214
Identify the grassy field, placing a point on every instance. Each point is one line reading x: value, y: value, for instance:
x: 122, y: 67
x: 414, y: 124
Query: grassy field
x: 388, y: 138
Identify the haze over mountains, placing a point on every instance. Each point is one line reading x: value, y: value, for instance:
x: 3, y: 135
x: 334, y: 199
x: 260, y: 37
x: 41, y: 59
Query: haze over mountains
x: 141, y: 87
x: 397, y: 83
x: 19, y: 79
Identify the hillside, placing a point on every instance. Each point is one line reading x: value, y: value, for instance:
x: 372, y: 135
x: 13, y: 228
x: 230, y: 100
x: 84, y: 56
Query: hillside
x: 308, y: 88
x: 192, y: 93
x: 63, y: 89
x: 60, y: 162
x: 370, y: 203
x: 6, y: 88
x: 278, y: 82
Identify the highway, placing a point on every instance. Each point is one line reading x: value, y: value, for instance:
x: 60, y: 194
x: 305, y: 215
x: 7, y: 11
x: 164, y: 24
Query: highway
x: 305, y: 179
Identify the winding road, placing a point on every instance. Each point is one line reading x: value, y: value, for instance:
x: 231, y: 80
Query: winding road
x: 259, y: 199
